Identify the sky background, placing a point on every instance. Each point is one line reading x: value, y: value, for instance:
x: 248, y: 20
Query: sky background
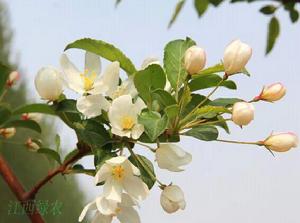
x: 224, y: 183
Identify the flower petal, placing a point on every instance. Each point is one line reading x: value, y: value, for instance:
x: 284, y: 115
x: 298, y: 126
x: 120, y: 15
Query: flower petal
x: 89, y: 206
x: 92, y: 63
x: 110, y: 77
x: 135, y: 187
x: 105, y: 206
x: 112, y: 189
x: 119, y: 160
x: 128, y: 215
x: 100, y: 218
x: 128, y: 201
x: 103, y: 173
x: 92, y: 105
x: 74, y: 81
x: 137, y: 131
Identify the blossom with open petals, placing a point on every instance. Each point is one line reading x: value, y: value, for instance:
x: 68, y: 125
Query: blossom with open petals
x: 120, y: 174
x: 172, y: 157
x: 106, y: 210
x: 123, y: 116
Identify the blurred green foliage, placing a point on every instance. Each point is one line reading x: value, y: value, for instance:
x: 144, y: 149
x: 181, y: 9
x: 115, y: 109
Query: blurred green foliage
x: 30, y: 167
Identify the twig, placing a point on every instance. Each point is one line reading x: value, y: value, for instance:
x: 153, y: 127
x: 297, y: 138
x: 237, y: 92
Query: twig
x: 17, y: 188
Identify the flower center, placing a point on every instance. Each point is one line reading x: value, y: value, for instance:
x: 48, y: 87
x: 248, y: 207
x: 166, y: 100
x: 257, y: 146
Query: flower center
x: 127, y: 122
x: 88, y: 80
x: 118, y: 172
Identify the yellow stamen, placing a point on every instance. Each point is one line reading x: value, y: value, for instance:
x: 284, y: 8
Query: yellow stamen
x: 88, y: 80
x: 127, y: 122
x: 118, y: 172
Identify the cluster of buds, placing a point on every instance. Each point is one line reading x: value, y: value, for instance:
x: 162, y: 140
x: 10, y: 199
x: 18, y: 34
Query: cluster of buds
x: 32, y: 145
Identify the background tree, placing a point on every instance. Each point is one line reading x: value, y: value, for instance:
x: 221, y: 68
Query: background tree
x: 30, y: 166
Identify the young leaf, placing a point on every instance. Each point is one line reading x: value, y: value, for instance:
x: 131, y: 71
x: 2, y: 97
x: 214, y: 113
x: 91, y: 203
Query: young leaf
x: 106, y: 50
x: 224, y: 101
x: 172, y: 113
x: 80, y: 169
x: 201, y: 6
x: 141, y: 162
x: 208, y: 81
x: 205, y: 133
x: 176, y: 12
x: 154, y: 124
x: 163, y: 97
x: 268, y: 9
x: 273, y: 33
x: 211, y: 70
x: 35, y: 108
x: 173, y: 61
x: 100, y: 156
x: 148, y: 80
x: 28, y: 124
x: 50, y: 154
x: 209, y: 111
x: 57, y: 143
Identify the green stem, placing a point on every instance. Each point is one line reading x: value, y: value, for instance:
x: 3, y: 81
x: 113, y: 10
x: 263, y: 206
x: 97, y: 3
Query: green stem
x: 241, y: 142
x: 3, y: 94
x: 144, y: 145
x: 200, y: 122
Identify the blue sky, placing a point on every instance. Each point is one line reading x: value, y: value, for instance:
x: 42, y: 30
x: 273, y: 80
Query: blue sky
x: 224, y: 183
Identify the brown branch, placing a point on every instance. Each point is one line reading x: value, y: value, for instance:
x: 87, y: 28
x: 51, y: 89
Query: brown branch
x: 82, y: 150
x: 17, y: 188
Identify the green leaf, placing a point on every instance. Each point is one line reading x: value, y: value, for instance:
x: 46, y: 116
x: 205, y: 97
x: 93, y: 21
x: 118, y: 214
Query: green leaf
x: 273, y: 33
x: 294, y: 15
x: 172, y: 113
x: 148, y: 80
x: 222, y: 123
x: 208, y: 81
x: 163, y: 97
x: 28, y: 124
x: 215, y: 2
x: 154, y: 124
x: 100, y: 156
x: 201, y: 6
x: 225, y: 102
x: 162, y: 138
x: 105, y: 50
x: 195, y: 101
x: 5, y: 113
x: 205, y: 133
x: 50, y: 154
x: 57, y: 143
x: 71, y: 154
x: 209, y: 111
x: 35, y: 108
x: 93, y: 134
x: 176, y: 12
x: 4, y: 73
x: 173, y: 61
x: 141, y: 162
x: 66, y: 105
x: 78, y: 168
x: 268, y: 9
x: 211, y: 70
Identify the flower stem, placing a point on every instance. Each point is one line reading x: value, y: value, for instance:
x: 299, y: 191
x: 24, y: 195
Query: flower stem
x: 259, y: 143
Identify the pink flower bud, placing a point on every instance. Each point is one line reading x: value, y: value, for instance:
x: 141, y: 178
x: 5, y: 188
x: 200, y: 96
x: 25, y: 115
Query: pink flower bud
x: 8, y: 132
x: 194, y: 59
x: 242, y: 113
x: 12, y: 78
x: 31, y: 116
x: 236, y: 56
x: 32, y: 146
x: 281, y: 142
x: 273, y: 92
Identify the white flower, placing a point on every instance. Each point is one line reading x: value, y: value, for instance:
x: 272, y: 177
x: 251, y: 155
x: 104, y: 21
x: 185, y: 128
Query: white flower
x: 236, y: 56
x: 31, y: 145
x: 123, y: 116
x: 32, y: 116
x: 8, y: 132
x: 49, y: 83
x: 107, y: 209
x: 120, y: 174
x: 127, y: 87
x: 273, y: 92
x: 91, y: 82
x: 242, y: 113
x: 172, y: 199
x: 281, y: 142
x: 172, y: 157
x: 194, y: 59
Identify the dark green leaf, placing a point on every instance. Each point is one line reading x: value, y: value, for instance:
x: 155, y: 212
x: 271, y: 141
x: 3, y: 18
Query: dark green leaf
x: 35, y: 108
x: 28, y: 124
x: 273, y: 33
x: 268, y: 9
x: 201, y: 6
x: 105, y: 50
x: 141, y: 162
x: 215, y: 2
x: 66, y: 105
x: 205, y: 133
x: 71, y: 154
x: 148, y: 80
x: 154, y: 124
x: 195, y: 101
x: 172, y: 113
x: 176, y: 12
x: 4, y: 72
x: 5, y: 113
x: 80, y: 169
x: 163, y: 97
x: 50, y: 154
x: 173, y: 61
x: 222, y: 123
x: 208, y: 81
x: 100, y: 156
x: 162, y: 138
x: 294, y: 15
